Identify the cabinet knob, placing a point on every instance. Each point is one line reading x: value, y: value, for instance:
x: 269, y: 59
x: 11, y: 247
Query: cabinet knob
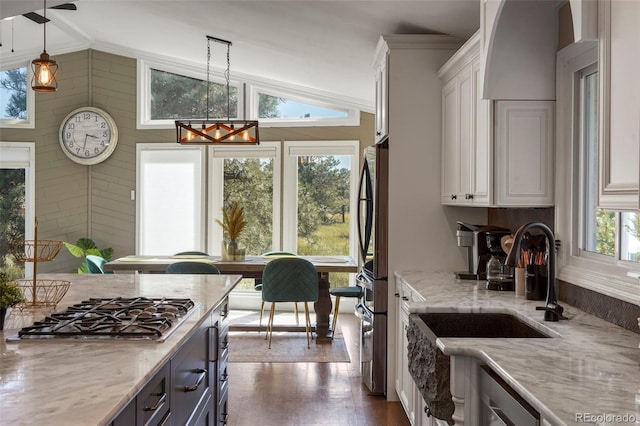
x: 454, y: 197
x: 405, y: 298
x: 378, y: 133
x: 468, y: 196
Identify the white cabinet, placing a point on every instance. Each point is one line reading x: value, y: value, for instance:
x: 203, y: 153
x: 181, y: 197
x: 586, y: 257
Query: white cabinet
x: 381, y: 65
x: 466, y: 154
x: 405, y: 387
x: 524, y: 153
x: 619, y: 103
x: 506, y: 163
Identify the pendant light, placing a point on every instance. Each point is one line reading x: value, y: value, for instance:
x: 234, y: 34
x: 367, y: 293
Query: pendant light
x: 44, y: 69
x: 217, y: 132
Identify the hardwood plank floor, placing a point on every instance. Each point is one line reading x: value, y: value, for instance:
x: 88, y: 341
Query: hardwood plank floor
x: 309, y: 394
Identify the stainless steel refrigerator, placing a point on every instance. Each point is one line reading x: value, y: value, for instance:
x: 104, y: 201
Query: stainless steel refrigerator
x: 373, y: 276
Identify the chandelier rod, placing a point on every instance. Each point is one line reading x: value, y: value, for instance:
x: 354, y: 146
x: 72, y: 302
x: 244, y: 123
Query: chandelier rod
x: 227, y: 72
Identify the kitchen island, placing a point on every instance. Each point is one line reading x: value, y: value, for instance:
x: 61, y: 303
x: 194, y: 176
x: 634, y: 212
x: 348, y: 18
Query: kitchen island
x: 87, y: 382
x: 588, y: 370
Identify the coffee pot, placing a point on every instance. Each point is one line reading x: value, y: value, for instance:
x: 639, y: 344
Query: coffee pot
x: 499, y: 275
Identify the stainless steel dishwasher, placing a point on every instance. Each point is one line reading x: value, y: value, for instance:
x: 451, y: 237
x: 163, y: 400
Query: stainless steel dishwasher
x: 500, y: 405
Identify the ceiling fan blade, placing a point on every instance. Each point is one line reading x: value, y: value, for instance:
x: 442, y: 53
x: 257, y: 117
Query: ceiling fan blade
x: 65, y: 6
x: 35, y: 17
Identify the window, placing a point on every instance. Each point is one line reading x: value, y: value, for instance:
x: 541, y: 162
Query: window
x: 170, y: 207
x: 250, y: 176
x: 280, y: 107
x: 167, y: 93
x: 17, y: 202
x: 599, y: 249
x: 16, y: 102
x: 320, y: 179
x: 606, y: 233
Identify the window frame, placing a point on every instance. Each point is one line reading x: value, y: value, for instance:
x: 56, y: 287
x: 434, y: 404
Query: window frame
x: 143, y: 108
x: 30, y: 121
x: 254, y: 90
x: 599, y: 273
x: 22, y: 155
x: 216, y: 156
x: 292, y: 149
x: 201, y: 225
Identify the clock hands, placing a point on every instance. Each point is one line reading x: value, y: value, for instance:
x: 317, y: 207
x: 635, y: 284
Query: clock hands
x: 87, y: 135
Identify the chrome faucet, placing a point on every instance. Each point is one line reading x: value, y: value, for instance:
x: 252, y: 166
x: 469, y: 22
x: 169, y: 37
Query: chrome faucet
x: 552, y: 310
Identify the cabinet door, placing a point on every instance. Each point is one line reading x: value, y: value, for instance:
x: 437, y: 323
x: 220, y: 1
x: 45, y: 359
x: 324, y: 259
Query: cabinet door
x: 482, y: 150
x: 408, y: 388
x: 620, y: 104
x: 450, y: 147
x: 382, y: 98
x: 524, y: 153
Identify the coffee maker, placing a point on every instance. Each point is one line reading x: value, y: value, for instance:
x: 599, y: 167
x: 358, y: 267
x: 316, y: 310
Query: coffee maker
x: 481, y: 241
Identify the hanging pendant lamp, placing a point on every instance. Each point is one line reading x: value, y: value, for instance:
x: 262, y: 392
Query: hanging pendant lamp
x: 217, y: 132
x: 44, y: 69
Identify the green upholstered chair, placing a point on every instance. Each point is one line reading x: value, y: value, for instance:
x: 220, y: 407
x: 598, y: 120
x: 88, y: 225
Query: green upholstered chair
x: 192, y: 268
x: 289, y: 279
x: 348, y: 291
x: 95, y: 264
x: 198, y: 253
x: 258, y: 284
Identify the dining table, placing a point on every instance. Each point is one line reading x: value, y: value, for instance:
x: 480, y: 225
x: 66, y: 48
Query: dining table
x: 250, y: 267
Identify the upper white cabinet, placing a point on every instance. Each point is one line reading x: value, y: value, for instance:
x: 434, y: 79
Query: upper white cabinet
x: 466, y: 154
x: 381, y: 66
x: 524, y: 153
x: 506, y: 163
x: 519, y: 40
x: 619, y: 62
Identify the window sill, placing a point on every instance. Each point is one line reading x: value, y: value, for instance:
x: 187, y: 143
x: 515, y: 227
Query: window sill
x: 589, y: 275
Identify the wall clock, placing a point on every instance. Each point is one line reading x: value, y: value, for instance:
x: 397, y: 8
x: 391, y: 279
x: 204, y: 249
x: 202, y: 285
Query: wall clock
x: 88, y: 135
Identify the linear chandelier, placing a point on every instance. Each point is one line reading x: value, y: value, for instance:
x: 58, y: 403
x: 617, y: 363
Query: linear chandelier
x: 44, y: 68
x: 217, y: 132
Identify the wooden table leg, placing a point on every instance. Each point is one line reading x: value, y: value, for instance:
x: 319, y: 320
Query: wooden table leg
x: 323, y: 310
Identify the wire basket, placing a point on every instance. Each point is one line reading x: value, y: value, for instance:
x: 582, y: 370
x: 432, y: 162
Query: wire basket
x: 42, y: 292
x: 35, y: 251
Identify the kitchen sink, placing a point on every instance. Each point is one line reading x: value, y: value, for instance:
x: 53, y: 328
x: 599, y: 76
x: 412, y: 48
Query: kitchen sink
x: 478, y: 325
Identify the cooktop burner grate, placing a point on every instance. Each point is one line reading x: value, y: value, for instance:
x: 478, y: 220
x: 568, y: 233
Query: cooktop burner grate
x: 112, y: 318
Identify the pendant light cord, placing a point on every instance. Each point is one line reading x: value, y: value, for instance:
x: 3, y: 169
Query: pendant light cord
x: 227, y: 73
x: 45, y: 26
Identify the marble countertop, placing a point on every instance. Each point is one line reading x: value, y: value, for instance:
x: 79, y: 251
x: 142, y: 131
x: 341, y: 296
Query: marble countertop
x: 67, y: 382
x: 588, y: 366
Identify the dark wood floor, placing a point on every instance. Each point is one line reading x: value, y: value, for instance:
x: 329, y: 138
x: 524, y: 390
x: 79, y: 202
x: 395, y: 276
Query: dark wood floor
x: 323, y: 394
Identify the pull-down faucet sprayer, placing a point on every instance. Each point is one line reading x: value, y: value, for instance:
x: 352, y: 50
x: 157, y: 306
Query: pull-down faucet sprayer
x: 552, y: 310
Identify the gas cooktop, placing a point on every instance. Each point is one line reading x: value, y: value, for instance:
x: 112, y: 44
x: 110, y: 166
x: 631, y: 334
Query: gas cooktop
x: 121, y: 319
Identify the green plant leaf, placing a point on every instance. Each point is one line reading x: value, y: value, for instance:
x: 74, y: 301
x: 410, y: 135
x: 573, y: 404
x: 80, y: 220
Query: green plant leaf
x: 74, y: 249
x: 107, y: 253
x: 86, y: 244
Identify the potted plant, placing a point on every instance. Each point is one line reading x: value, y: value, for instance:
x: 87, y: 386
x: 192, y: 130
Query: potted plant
x: 10, y: 296
x: 232, y: 224
x: 85, y: 246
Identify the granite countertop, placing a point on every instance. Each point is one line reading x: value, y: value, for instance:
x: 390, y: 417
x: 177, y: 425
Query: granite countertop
x: 67, y: 382
x: 589, y: 366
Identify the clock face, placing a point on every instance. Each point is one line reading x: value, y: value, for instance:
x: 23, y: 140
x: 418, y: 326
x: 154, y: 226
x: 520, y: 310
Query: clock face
x: 88, y: 135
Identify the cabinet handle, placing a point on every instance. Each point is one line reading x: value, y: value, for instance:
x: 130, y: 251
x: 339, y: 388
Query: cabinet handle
x: 159, y: 403
x: 224, y: 345
x: 405, y: 298
x: 378, y: 133
x: 201, y: 376
x: 224, y: 417
x: 468, y: 196
x: 224, y: 377
x: 213, y: 343
x: 454, y: 197
x: 165, y: 420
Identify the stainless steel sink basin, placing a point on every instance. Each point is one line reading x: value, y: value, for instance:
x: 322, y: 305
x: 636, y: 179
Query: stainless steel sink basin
x: 478, y: 325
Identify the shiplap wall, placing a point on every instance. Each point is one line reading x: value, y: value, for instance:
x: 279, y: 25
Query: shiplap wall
x: 74, y: 201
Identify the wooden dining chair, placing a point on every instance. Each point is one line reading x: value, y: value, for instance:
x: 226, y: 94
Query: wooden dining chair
x: 289, y: 279
x: 192, y: 268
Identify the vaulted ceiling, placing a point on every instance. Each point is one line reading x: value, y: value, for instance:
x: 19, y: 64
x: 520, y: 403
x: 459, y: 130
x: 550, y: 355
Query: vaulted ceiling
x: 322, y: 45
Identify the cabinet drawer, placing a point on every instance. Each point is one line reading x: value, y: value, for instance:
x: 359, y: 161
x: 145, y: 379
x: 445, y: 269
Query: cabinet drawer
x: 190, y: 376
x: 154, y: 399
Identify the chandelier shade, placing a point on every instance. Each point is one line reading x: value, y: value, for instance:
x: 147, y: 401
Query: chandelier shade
x: 44, y: 68
x: 217, y: 132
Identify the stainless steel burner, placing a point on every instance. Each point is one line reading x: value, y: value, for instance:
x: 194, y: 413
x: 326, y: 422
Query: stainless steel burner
x: 137, y: 318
